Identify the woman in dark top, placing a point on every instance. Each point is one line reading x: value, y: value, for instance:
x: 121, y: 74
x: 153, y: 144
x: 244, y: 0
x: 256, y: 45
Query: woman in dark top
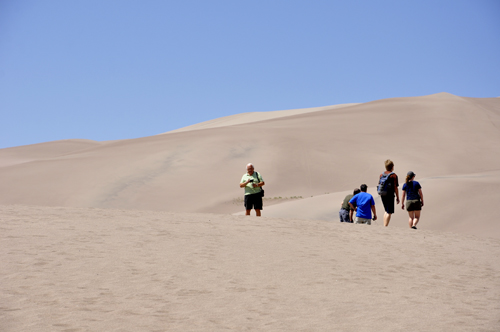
x: 415, y: 199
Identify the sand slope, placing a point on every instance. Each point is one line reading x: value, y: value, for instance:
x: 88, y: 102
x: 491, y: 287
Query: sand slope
x: 443, y: 138
x: 81, y: 269
x: 139, y: 235
x: 476, y: 194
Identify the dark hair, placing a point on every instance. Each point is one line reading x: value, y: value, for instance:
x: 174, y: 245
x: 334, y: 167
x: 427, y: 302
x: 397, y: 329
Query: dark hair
x: 363, y: 187
x: 356, y: 191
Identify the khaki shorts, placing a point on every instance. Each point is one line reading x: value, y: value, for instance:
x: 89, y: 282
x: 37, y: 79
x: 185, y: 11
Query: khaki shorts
x: 359, y: 220
x: 413, y: 205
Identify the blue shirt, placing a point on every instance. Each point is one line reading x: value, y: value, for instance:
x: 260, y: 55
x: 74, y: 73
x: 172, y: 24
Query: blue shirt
x: 364, y: 201
x: 411, y: 189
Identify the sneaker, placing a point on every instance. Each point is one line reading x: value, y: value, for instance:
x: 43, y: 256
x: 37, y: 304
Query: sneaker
x: 413, y: 227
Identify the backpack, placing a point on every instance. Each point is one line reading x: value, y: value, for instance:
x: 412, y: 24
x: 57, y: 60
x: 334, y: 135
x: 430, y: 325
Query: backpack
x: 384, y: 185
x: 261, y: 189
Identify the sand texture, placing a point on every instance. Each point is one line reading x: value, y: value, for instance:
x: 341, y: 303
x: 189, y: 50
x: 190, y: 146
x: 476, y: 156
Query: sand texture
x: 147, y: 234
x: 81, y: 269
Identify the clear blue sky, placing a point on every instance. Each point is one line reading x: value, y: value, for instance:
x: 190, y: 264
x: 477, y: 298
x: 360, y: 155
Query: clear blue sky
x: 117, y: 69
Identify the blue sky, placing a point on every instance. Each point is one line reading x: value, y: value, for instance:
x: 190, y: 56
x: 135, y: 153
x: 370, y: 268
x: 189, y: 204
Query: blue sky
x: 106, y: 69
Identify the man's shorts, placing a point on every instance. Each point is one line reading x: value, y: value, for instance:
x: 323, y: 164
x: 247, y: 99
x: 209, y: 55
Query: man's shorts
x: 413, y: 205
x: 344, y: 215
x: 388, y: 201
x: 359, y: 220
x: 253, y: 201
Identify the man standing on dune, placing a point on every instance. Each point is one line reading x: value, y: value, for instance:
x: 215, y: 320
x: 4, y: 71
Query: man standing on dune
x: 252, y: 182
x: 365, y: 204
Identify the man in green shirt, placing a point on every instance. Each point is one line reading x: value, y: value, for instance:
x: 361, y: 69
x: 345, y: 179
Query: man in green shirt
x: 346, y: 212
x: 252, y: 182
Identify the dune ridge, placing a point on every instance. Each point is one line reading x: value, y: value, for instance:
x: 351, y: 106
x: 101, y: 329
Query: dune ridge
x: 251, y: 117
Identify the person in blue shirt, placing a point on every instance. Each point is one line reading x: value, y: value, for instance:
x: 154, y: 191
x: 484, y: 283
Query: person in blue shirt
x: 414, y: 199
x: 365, y: 204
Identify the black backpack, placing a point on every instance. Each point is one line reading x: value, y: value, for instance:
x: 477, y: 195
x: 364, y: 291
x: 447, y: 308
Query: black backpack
x: 261, y: 189
x: 384, y: 184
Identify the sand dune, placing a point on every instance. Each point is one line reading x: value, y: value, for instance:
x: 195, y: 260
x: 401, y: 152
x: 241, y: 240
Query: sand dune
x: 303, y: 153
x: 140, y: 234
x: 82, y: 269
x: 251, y: 117
x: 43, y: 151
x: 477, y: 195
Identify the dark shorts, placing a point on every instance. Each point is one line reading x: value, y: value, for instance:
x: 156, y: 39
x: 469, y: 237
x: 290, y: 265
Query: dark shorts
x: 388, y: 201
x: 253, y: 201
x: 413, y: 205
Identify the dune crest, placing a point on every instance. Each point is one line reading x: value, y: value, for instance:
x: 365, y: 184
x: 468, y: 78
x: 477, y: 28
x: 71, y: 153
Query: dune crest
x: 244, y: 118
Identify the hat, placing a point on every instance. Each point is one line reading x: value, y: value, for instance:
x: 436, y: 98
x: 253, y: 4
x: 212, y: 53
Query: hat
x: 411, y: 174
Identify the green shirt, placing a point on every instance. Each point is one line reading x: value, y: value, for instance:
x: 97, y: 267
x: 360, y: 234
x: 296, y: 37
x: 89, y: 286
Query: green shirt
x: 345, y: 204
x: 249, y: 189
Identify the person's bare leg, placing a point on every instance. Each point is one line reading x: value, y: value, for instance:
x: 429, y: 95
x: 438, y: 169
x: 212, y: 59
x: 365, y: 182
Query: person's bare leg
x: 411, y: 214
x: 387, y: 219
x: 257, y: 212
x: 416, y: 218
x: 247, y: 212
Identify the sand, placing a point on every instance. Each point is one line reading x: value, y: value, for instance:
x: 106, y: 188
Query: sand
x: 84, y: 269
x: 147, y: 234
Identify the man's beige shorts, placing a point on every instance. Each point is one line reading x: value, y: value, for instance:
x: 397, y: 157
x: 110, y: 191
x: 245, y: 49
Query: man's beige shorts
x: 364, y: 221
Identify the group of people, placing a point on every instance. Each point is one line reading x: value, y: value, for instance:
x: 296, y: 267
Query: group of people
x: 363, y: 203
x: 360, y: 201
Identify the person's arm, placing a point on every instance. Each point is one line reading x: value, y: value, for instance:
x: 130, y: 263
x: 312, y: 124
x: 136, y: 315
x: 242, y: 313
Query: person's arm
x: 352, y: 206
x: 243, y: 184
x: 421, y: 196
x: 396, y: 190
x: 351, y: 212
x: 403, y: 200
x: 374, y: 212
x: 260, y: 184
